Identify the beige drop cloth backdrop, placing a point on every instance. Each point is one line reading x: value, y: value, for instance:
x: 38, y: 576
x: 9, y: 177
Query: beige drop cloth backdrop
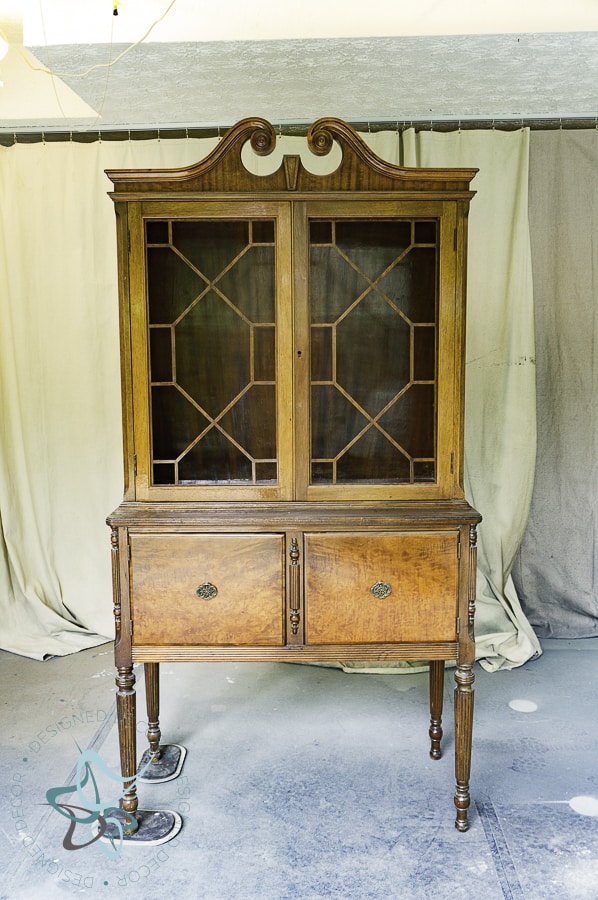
x: 60, y: 427
x: 555, y: 571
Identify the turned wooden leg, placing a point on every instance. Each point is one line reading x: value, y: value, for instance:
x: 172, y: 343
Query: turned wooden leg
x: 127, y: 718
x: 152, y: 693
x: 464, y: 679
x: 436, y: 701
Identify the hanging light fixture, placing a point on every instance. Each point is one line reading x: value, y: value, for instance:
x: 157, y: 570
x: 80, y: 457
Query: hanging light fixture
x: 30, y: 91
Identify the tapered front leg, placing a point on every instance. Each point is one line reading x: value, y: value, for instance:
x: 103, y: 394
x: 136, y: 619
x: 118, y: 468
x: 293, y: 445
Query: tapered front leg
x: 464, y: 679
x: 152, y: 693
x: 126, y: 715
x: 436, y: 703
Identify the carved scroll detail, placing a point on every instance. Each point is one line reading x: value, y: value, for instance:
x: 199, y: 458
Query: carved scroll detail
x: 263, y: 136
x: 322, y: 134
x: 320, y: 137
x: 259, y: 132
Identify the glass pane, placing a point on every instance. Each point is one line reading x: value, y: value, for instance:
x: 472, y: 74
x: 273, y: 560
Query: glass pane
x: 373, y: 353
x: 156, y: 232
x: 164, y: 473
x: 322, y: 472
x: 410, y: 421
x: 320, y: 232
x: 210, y: 244
x: 249, y: 284
x: 424, y: 353
x: 321, y: 354
x: 215, y: 460
x: 424, y: 232
x: 172, y: 285
x: 373, y: 314
x: 264, y: 354
x: 333, y: 285
x: 423, y: 470
x: 373, y: 459
x: 215, y: 420
x: 266, y: 472
x: 161, y: 354
x: 411, y: 284
x: 373, y: 245
x: 176, y: 422
x: 262, y: 231
x: 335, y: 421
x: 257, y: 405
x: 213, y: 353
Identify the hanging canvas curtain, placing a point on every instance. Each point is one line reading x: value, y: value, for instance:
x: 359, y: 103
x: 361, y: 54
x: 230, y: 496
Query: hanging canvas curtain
x: 60, y: 439
x: 555, y: 571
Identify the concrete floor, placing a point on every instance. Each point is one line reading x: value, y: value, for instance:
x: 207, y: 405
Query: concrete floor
x: 304, y: 782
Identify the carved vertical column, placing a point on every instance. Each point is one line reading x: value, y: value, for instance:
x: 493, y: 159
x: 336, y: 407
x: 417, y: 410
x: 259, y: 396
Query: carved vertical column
x: 294, y: 586
x: 115, y: 582
x: 126, y: 715
x: 125, y: 694
x: 436, y: 703
x: 464, y: 681
x: 152, y: 693
x: 473, y: 567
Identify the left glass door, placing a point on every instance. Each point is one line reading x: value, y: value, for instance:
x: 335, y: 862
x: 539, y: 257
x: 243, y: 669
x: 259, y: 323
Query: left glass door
x: 210, y: 292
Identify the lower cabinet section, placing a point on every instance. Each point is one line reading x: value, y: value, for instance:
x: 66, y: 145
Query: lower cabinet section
x: 343, y: 588
x: 373, y: 588
x: 288, y: 583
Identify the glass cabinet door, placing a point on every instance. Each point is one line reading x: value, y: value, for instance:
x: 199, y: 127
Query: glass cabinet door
x: 381, y: 382
x: 373, y: 310
x: 293, y: 351
x: 215, y: 387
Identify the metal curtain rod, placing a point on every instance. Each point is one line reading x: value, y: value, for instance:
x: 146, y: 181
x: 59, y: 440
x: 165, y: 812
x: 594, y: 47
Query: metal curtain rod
x: 34, y: 136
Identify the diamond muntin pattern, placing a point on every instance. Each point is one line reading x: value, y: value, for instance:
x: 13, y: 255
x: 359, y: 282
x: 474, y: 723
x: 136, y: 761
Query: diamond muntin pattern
x: 364, y: 305
x: 216, y: 310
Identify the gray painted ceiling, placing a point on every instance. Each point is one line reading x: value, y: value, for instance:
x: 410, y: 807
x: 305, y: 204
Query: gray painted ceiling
x: 429, y: 79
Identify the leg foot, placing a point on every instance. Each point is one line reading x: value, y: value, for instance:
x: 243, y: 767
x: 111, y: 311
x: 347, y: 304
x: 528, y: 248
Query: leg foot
x: 166, y: 768
x: 156, y: 826
x: 126, y: 716
x: 436, y: 702
x: 152, y: 694
x: 464, y: 679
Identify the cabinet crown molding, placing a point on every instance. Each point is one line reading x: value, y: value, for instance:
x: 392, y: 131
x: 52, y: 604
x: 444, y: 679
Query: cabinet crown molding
x: 360, y: 169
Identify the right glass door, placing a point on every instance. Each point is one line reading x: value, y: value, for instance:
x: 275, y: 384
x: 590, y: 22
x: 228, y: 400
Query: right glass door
x: 373, y: 300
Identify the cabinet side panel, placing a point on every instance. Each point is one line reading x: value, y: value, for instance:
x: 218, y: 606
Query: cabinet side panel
x: 122, y: 243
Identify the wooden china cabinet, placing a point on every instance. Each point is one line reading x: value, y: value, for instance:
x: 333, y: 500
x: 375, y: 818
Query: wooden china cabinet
x: 292, y: 368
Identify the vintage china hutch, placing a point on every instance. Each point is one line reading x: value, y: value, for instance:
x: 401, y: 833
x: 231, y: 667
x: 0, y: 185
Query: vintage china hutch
x: 292, y: 375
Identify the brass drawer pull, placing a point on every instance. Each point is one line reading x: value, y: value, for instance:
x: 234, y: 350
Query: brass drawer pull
x: 207, y: 591
x: 381, y: 590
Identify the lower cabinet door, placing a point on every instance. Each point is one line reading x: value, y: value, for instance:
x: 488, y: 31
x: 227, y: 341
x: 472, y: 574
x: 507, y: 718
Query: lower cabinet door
x: 381, y: 588
x: 207, y: 589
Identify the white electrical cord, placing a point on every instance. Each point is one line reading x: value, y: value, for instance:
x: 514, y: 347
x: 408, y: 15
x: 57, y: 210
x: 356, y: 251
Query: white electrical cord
x: 106, y: 65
